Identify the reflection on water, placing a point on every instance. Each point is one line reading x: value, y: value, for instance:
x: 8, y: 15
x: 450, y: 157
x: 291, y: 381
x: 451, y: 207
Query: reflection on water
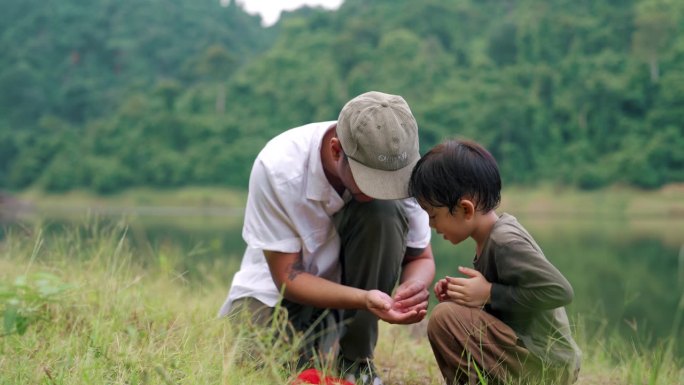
x: 628, y: 274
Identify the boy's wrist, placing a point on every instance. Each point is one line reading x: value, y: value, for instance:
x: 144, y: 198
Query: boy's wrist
x: 500, y: 297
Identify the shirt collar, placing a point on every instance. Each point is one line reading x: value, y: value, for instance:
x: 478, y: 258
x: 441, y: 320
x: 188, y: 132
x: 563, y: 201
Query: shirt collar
x: 317, y: 185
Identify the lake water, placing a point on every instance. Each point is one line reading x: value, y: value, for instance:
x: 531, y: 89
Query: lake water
x: 627, y: 272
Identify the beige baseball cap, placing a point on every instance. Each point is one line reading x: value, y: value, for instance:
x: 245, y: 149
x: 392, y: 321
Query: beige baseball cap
x: 379, y: 135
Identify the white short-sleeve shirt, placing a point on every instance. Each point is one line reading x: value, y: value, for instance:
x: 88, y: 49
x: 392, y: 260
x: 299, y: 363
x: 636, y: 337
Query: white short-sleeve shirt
x: 289, y: 209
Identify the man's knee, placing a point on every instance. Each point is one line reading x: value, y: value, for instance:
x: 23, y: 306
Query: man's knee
x: 377, y: 215
x: 250, y: 311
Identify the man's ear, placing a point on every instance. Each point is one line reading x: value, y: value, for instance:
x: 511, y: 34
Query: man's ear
x: 336, y: 148
x: 468, y: 208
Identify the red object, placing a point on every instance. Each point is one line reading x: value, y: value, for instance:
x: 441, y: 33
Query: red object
x: 313, y: 376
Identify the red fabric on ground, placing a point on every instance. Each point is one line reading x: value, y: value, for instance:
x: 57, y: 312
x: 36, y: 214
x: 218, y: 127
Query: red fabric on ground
x: 313, y: 376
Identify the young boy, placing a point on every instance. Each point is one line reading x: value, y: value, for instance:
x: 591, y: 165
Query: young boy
x: 505, y: 319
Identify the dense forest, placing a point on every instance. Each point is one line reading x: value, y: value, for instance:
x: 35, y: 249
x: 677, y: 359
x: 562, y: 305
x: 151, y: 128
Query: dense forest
x: 110, y: 94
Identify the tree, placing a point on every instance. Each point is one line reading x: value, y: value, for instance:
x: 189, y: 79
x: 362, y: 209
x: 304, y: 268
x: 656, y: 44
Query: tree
x: 654, y: 25
x: 217, y: 64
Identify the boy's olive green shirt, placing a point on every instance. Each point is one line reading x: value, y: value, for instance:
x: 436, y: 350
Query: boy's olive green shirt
x: 528, y: 293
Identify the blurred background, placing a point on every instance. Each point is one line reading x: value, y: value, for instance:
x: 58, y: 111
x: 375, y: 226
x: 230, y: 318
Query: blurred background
x: 154, y: 111
x: 109, y: 94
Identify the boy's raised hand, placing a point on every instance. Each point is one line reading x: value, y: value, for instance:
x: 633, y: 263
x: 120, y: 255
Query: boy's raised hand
x: 472, y: 291
x: 441, y: 290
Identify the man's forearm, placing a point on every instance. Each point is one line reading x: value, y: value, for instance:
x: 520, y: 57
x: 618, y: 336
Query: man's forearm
x: 307, y: 289
x: 420, y: 267
x: 302, y: 287
x: 422, y: 270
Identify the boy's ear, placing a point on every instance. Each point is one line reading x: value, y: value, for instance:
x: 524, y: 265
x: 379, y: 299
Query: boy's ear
x: 468, y: 208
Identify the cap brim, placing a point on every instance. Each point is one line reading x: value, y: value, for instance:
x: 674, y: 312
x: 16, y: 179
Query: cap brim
x: 381, y: 184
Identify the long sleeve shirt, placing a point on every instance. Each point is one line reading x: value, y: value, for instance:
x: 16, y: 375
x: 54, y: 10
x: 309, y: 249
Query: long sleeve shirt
x: 528, y: 292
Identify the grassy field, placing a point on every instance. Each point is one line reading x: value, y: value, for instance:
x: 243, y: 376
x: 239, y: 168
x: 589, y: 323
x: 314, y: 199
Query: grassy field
x: 87, y: 308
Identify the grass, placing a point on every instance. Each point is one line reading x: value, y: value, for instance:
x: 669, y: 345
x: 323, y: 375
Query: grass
x: 98, y: 311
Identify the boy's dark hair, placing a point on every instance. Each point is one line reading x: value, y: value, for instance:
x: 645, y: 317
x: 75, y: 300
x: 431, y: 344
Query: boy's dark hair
x: 453, y: 170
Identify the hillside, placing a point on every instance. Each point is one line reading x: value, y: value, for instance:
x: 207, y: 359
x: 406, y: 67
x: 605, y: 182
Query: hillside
x: 109, y: 94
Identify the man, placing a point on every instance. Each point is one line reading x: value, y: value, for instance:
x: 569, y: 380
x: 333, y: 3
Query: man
x: 328, y: 221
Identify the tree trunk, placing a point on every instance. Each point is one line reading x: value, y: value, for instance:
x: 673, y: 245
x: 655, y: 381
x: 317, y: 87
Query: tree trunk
x: 221, y: 100
x: 655, y: 69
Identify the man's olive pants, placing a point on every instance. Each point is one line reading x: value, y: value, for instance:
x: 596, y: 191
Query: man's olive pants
x: 373, y: 239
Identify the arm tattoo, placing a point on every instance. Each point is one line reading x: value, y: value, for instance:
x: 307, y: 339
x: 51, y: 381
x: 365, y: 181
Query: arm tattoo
x: 296, y: 268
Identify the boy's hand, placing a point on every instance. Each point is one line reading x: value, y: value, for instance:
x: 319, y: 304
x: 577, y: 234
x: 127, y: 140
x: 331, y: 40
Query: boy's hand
x: 441, y: 290
x: 473, y: 291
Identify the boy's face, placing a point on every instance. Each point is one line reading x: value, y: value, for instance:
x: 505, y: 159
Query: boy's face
x: 455, y: 227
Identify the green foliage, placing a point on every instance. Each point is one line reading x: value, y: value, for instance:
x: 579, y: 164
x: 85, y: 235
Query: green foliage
x: 28, y: 300
x: 181, y: 93
x: 107, y: 174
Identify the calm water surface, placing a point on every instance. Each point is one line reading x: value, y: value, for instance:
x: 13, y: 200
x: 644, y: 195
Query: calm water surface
x: 627, y: 272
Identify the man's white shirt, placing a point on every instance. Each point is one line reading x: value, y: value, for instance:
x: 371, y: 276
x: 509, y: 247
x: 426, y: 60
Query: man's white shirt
x: 289, y: 209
